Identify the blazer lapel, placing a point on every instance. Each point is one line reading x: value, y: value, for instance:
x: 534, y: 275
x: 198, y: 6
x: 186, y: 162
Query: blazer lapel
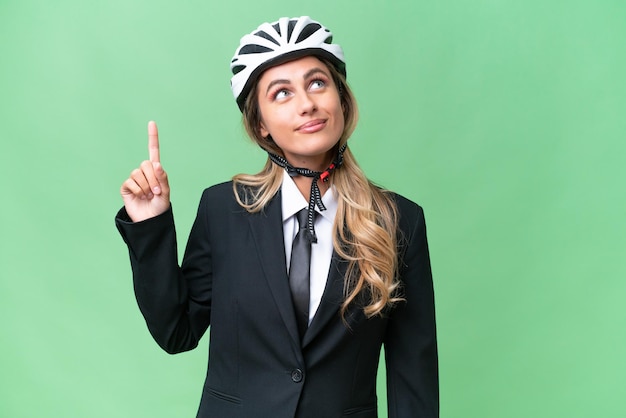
x: 267, y: 232
x: 331, y: 299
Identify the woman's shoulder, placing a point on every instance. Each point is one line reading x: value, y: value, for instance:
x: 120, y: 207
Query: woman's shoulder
x: 405, y: 205
x: 228, y: 195
x: 410, y: 213
x: 219, y: 189
x: 220, y: 195
x: 228, y: 187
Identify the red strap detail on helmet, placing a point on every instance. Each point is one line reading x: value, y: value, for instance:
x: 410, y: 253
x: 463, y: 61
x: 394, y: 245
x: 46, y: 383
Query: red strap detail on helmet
x: 326, y: 174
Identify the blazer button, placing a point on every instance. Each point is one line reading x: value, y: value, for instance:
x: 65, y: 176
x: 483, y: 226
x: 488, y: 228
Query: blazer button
x: 297, y: 375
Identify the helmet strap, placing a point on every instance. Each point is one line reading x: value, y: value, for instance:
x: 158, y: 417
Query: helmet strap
x: 316, y: 196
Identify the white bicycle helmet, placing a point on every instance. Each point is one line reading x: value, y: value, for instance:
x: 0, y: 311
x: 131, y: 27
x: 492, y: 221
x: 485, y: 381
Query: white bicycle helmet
x: 278, y: 42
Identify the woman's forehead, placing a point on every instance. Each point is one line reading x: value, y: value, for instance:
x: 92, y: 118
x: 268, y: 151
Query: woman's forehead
x: 294, y: 69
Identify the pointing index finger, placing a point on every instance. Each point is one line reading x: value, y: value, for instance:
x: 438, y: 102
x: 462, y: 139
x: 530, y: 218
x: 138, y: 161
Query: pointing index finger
x: 153, y: 142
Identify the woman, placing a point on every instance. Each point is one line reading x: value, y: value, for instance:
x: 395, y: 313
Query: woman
x: 303, y: 270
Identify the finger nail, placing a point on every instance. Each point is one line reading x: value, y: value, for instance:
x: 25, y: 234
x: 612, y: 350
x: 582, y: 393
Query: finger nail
x: 150, y: 195
x: 156, y: 189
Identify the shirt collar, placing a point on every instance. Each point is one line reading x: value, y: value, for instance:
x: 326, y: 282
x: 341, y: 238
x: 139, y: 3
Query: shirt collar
x: 293, y: 201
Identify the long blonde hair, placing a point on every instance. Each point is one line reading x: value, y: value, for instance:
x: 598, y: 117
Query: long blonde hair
x: 365, y: 229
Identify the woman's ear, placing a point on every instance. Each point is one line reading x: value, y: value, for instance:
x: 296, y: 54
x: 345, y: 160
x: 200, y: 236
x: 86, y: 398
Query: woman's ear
x: 264, y: 132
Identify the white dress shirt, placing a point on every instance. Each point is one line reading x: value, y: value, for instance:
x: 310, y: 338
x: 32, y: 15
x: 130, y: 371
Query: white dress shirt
x: 322, y: 251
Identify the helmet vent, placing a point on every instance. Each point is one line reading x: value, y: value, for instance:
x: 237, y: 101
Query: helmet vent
x: 238, y: 69
x: 276, y: 27
x: 307, y: 31
x: 290, y: 26
x: 254, y: 49
x: 265, y: 35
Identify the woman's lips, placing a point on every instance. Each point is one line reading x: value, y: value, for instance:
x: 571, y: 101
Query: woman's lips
x: 312, y: 126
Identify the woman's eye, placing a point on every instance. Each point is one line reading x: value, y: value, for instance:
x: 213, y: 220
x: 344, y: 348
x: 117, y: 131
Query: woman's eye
x: 317, y: 84
x: 281, y: 94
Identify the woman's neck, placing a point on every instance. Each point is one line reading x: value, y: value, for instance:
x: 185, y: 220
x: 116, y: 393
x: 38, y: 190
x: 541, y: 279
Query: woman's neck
x: 304, y: 185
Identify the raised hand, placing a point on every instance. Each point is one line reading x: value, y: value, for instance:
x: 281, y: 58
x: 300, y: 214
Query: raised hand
x: 146, y: 193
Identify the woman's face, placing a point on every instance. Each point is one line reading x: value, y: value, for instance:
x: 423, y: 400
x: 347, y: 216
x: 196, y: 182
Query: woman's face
x: 300, y: 108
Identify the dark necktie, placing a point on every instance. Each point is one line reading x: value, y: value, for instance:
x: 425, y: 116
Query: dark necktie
x: 299, y: 271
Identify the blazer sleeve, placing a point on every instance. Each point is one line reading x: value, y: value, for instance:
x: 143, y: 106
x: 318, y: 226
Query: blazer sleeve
x: 175, y: 301
x: 410, y: 341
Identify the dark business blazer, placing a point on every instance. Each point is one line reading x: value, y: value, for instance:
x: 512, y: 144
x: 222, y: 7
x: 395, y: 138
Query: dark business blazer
x: 233, y: 278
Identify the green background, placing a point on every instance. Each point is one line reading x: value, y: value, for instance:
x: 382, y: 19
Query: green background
x: 505, y: 120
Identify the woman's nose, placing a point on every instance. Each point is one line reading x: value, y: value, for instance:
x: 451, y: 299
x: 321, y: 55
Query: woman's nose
x: 306, y: 104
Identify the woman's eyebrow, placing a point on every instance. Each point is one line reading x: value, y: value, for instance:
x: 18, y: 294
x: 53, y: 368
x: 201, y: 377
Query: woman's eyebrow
x: 274, y: 82
x: 314, y: 71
